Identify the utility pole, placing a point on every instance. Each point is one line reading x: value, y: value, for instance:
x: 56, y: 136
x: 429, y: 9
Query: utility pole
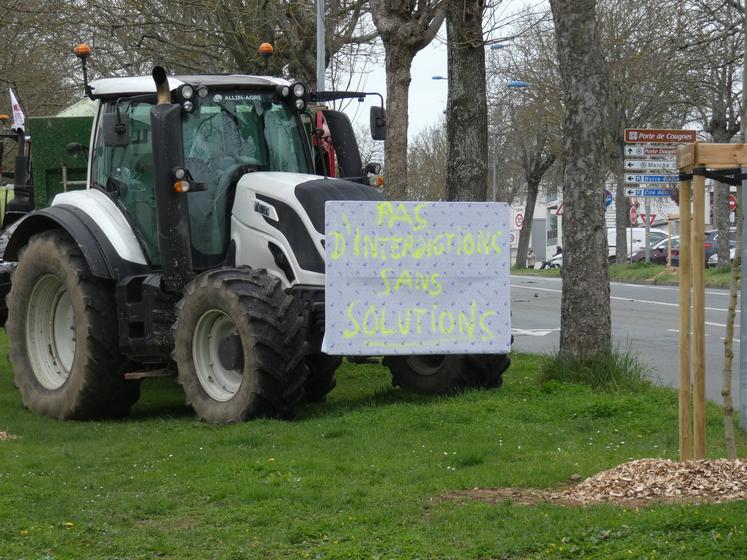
x: 742, y: 208
x: 320, y: 45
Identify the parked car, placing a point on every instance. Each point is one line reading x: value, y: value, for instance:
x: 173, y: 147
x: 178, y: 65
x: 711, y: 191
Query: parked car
x: 659, y: 252
x: 635, y: 238
x: 713, y: 259
x: 711, y: 245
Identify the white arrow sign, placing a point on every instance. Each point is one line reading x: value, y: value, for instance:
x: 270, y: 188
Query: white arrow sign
x: 638, y: 150
x: 651, y: 179
x: 643, y: 164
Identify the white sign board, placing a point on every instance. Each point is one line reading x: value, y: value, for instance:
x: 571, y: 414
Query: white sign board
x: 407, y: 278
x: 644, y: 164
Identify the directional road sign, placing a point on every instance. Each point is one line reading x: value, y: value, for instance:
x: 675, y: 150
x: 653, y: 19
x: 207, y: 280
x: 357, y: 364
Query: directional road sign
x: 644, y: 164
x: 631, y: 178
x: 659, y: 136
x: 629, y: 191
x: 635, y: 150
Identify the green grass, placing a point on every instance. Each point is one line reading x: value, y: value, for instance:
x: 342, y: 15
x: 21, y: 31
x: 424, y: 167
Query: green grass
x: 644, y: 273
x: 357, y: 477
x: 618, y: 370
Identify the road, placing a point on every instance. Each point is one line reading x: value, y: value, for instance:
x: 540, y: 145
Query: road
x: 646, y: 317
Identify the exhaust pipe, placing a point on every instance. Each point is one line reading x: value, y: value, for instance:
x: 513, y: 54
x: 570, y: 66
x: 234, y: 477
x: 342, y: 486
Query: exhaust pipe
x: 172, y: 211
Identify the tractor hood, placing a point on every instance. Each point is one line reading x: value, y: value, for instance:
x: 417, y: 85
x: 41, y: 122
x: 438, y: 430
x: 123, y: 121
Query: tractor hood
x: 287, y: 211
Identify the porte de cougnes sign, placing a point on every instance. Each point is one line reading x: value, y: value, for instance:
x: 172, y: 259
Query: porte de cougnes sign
x: 417, y: 278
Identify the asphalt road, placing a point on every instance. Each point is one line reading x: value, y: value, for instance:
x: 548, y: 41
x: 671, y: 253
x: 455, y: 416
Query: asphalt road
x: 646, y: 317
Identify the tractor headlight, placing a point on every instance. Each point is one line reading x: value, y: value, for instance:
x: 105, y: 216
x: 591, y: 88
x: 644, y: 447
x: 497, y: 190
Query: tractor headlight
x: 187, y: 91
x: 299, y: 90
x: 188, y: 106
x: 202, y: 91
x: 300, y: 104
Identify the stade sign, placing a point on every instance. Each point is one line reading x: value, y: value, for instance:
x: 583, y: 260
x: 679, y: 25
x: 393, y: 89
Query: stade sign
x: 417, y: 278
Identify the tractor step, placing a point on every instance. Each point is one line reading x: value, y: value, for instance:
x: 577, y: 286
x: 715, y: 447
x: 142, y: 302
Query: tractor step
x: 135, y: 375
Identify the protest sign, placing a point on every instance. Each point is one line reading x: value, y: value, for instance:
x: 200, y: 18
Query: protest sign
x: 407, y: 278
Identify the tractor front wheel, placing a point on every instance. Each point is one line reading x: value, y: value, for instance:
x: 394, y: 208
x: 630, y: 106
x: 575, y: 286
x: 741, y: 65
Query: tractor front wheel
x: 62, y: 330
x: 445, y: 374
x: 240, y: 346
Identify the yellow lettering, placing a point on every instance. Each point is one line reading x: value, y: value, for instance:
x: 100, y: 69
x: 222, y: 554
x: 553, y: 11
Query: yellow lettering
x: 356, y: 325
x: 436, y: 289
x: 487, y: 333
x: 495, y: 241
x: 469, y: 244
x: 338, y: 245
x: 405, y: 279
x: 384, y: 330
x: 406, y: 328
x: 419, y: 312
x: 387, y: 286
x: 419, y: 218
x: 468, y: 323
x: 385, y: 209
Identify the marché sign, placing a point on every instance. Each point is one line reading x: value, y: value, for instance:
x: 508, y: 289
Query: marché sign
x: 417, y: 278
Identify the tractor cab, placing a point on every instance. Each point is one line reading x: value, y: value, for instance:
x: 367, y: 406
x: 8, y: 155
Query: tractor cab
x: 229, y: 126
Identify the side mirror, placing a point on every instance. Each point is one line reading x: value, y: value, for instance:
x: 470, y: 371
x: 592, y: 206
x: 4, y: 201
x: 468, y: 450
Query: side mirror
x: 373, y: 167
x: 116, y: 129
x: 76, y: 149
x: 378, y: 123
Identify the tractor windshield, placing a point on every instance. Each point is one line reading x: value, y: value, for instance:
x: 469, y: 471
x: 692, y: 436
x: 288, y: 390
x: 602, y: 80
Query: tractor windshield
x: 226, y: 135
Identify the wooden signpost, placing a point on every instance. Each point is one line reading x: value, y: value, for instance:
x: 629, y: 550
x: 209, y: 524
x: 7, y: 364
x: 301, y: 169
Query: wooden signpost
x: 695, y: 162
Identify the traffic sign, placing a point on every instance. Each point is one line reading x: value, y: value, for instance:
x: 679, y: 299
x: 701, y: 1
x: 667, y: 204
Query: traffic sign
x: 649, y: 217
x: 633, y: 215
x: 732, y: 203
x: 644, y: 164
x: 519, y: 220
x: 631, y: 191
x: 607, y: 199
x: 636, y: 150
x: 630, y: 178
x: 659, y: 136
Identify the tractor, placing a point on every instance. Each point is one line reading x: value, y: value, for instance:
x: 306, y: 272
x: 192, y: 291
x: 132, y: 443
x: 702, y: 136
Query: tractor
x: 197, y: 251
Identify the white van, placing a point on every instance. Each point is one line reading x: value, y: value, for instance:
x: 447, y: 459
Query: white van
x: 636, y: 239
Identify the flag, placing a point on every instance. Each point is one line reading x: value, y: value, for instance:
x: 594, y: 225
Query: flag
x: 18, y: 118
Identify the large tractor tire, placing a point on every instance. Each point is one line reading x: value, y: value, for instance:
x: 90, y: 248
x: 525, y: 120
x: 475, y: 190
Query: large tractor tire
x: 441, y: 374
x: 240, y: 346
x: 322, y: 378
x: 62, y: 330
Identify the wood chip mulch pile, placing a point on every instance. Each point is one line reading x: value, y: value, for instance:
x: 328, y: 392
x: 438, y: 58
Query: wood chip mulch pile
x: 635, y: 483
x: 5, y: 435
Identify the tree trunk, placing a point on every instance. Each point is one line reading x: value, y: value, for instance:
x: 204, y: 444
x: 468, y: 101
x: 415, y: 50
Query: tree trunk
x: 736, y: 266
x: 622, y: 203
x: 526, y: 229
x: 466, y: 110
x: 585, y: 326
x: 398, y: 63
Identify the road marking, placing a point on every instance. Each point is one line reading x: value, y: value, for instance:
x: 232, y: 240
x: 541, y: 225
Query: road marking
x: 722, y: 338
x: 532, y: 332
x: 618, y: 298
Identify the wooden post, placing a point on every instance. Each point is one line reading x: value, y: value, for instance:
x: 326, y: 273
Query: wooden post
x: 686, y: 440
x: 698, y: 272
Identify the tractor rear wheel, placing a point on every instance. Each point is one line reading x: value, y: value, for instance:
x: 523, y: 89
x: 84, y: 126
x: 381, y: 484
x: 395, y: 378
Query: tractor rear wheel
x: 62, y: 330
x: 444, y: 374
x: 240, y: 346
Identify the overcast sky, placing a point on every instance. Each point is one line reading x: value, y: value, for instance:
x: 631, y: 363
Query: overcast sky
x: 428, y: 96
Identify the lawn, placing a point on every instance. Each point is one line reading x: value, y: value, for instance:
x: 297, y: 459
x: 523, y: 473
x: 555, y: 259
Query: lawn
x: 644, y: 273
x: 357, y: 477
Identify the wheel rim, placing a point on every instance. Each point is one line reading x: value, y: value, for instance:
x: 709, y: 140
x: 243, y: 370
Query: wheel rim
x: 220, y: 383
x: 427, y: 364
x: 50, y: 332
